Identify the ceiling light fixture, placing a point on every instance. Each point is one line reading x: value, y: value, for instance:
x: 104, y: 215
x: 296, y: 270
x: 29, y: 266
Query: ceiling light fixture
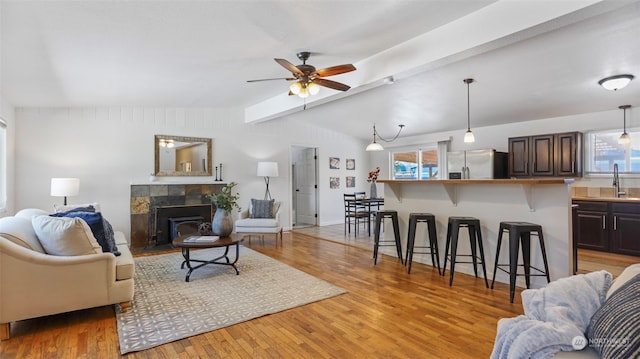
x: 375, y: 146
x: 624, y: 137
x: 615, y: 83
x: 468, y: 136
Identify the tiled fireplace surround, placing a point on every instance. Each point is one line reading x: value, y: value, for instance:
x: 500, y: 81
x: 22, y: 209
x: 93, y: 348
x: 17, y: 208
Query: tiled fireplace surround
x: 147, y: 198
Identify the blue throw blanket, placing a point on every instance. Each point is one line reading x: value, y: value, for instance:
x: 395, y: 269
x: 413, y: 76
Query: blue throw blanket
x: 553, y: 316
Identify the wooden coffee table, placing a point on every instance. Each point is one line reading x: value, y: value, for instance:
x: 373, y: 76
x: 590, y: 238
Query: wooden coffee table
x: 226, y: 242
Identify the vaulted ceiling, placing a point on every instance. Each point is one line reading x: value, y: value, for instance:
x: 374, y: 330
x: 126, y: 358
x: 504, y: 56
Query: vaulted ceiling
x: 530, y: 59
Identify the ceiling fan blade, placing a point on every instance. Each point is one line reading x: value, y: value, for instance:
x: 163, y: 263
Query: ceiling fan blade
x: 277, y: 78
x: 334, y: 70
x: 289, y: 66
x: 331, y: 84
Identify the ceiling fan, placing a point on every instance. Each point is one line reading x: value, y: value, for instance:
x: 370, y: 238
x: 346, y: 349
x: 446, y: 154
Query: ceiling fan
x: 307, y: 79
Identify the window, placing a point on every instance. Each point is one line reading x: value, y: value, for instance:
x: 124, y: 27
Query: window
x: 603, y: 150
x: 416, y: 164
x: 3, y: 166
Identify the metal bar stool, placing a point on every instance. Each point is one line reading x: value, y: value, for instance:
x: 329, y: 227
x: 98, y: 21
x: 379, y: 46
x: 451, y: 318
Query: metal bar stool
x: 520, y: 232
x: 380, y: 216
x: 430, y: 220
x: 475, y: 237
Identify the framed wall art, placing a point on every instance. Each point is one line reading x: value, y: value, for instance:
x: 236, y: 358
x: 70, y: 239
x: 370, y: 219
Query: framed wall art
x: 334, y: 163
x: 351, y: 164
x: 334, y: 182
x: 350, y: 181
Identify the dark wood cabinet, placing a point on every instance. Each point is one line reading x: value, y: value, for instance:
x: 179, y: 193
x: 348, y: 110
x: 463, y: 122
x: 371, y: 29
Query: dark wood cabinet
x: 590, y: 231
x: 519, y: 157
x: 607, y: 226
x: 542, y: 160
x: 547, y: 155
x: 568, y: 154
x: 625, y: 237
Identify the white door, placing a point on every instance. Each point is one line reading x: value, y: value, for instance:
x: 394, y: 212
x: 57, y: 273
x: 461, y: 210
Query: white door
x: 304, y: 192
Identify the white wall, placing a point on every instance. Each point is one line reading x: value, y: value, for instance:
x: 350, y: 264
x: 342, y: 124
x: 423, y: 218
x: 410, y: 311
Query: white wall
x: 8, y: 114
x: 110, y: 148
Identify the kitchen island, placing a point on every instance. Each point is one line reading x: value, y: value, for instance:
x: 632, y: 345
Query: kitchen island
x: 543, y: 201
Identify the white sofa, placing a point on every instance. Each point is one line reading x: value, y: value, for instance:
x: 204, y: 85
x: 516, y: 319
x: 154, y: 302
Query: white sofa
x: 260, y: 226
x: 34, y: 283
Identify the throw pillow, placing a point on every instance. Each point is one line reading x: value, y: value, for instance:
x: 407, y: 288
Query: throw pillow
x: 68, y: 207
x: 96, y: 222
x: 88, y: 208
x: 63, y: 236
x: 614, y: 331
x: 262, y: 208
x: 110, y: 237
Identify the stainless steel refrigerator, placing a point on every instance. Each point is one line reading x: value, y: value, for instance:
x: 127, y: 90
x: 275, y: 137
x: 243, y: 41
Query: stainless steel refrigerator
x: 477, y: 164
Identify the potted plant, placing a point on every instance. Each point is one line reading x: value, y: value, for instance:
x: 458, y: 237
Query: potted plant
x: 225, y: 201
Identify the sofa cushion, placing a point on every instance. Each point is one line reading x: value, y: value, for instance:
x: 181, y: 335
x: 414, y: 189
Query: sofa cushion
x: 20, y: 231
x: 101, y: 229
x: 65, y: 236
x: 261, y: 208
x: 614, y: 331
x: 29, y: 213
x: 257, y: 222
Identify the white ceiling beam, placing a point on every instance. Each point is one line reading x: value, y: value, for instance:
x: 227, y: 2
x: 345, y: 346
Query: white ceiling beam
x: 496, y: 25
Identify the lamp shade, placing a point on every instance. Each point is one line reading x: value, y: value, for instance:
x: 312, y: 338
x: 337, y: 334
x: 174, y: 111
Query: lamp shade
x: 65, y: 187
x: 268, y: 169
x: 374, y: 146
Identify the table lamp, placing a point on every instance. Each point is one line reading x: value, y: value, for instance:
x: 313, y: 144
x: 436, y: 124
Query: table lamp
x: 65, y: 187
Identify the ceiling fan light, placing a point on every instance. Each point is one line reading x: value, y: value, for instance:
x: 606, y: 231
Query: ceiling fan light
x: 614, y: 83
x: 469, y: 137
x: 313, y: 88
x: 374, y: 146
x: 295, y: 88
x: 304, y: 92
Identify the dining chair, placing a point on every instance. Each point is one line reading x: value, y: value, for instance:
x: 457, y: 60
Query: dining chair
x: 354, y: 213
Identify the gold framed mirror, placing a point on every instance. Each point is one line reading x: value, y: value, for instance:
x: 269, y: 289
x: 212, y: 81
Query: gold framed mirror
x: 182, y: 156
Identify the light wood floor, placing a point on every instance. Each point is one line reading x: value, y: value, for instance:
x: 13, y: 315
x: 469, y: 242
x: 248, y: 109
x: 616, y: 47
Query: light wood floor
x: 385, y: 314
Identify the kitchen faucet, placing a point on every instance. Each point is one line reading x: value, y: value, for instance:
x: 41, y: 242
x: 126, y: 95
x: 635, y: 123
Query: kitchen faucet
x: 616, y: 180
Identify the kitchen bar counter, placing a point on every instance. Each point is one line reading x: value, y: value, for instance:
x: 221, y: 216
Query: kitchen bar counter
x: 608, y: 199
x: 451, y: 186
x: 543, y: 201
x: 530, y: 181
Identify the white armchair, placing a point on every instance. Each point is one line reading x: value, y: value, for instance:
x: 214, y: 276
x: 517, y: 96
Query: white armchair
x: 260, y: 226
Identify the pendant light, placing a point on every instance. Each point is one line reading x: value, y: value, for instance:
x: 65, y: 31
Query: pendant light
x: 624, y: 137
x: 468, y: 136
x: 375, y: 146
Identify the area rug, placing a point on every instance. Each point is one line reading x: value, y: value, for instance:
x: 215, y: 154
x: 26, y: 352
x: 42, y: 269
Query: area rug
x: 165, y: 308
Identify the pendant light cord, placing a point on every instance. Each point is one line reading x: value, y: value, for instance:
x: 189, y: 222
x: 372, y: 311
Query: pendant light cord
x: 375, y: 133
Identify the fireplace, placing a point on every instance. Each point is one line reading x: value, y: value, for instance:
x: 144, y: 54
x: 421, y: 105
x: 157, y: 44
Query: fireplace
x: 152, y: 204
x: 170, y: 219
x: 180, y: 226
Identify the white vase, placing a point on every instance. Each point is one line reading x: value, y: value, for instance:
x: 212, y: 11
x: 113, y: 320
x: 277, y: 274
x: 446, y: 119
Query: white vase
x: 374, y: 190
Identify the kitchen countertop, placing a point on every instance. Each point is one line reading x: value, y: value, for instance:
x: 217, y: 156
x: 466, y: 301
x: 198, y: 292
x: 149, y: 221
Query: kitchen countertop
x: 608, y: 199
